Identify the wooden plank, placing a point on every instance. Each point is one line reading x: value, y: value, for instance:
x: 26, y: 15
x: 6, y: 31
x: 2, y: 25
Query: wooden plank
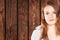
x: 8, y: 19
x: 14, y: 20
x: 11, y: 20
x: 34, y: 15
x: 23, y: 20
x: 1, y: 19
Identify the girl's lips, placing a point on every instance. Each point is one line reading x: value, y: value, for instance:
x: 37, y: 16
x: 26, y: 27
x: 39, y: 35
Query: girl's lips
x: 51, y: 19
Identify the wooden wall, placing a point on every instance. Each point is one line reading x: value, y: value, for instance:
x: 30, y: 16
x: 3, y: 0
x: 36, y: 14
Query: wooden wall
x: 18, y: 18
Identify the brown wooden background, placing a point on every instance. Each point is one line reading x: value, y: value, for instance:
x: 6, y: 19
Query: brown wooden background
x: 18, y: 18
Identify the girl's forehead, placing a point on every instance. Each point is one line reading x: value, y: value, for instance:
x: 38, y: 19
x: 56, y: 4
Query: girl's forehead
x: 49, y: 9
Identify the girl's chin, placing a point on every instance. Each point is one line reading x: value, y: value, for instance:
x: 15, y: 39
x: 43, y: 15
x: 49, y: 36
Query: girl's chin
x: 51, y: 23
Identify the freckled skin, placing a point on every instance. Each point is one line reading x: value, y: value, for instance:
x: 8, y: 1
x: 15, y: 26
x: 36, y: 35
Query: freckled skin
x: 50, y: 15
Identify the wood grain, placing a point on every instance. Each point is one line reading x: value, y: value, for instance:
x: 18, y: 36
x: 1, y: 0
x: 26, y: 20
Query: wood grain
x: 1, y: 19
x: 11, y: 20
x: 23, y: 20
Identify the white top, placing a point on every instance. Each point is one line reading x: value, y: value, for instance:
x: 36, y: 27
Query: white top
x: 36, y: 35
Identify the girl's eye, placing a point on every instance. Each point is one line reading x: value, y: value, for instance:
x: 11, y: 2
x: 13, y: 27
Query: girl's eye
x: 54, y: 13
x: 47, y: 13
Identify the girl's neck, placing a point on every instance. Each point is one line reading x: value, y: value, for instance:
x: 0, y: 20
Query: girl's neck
x: 51, y: 32
x: 51, y: 26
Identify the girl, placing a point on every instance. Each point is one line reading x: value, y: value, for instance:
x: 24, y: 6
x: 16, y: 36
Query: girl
x: 50, y: 23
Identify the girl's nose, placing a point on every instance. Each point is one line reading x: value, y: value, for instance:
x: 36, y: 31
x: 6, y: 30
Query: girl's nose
x: 50, y: 15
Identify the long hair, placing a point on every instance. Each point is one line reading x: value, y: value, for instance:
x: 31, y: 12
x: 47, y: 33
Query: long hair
x: 43, y: 22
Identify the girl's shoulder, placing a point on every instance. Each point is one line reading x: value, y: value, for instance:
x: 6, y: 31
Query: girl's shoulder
x: 38, y: 27
x: 36, y: 34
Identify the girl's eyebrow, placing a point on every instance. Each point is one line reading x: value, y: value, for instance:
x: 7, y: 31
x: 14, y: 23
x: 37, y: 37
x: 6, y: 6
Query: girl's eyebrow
x: 46, y: 12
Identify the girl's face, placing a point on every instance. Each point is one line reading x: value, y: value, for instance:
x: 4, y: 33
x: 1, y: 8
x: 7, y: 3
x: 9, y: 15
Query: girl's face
x: 50, y: 15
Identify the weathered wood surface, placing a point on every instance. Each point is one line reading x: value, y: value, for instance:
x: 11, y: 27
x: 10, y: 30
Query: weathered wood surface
x: 11, y: 20
x: 23, y: 19
x: 1, y: 19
